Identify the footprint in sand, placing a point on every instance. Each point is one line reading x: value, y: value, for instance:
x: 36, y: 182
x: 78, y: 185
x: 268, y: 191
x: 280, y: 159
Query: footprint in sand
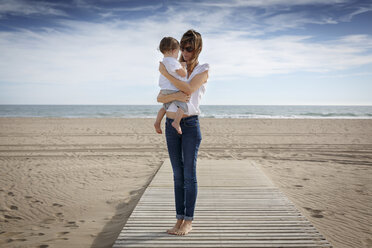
x: 12, y: 207
x: 316, y: 213
x: 12, y: 217
x: 48, y: 221
x: 10, y: 193
x: 71, y: 224
x: 61, y: 234
x: 43, y: 246
x: 60, y: 215
x: 37, y: 234
x: 6, y: 236
x: 57, y: 205
x: 11, y: 240
x: 298, y: 186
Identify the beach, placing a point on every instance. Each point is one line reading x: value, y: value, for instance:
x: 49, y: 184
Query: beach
x: 73, y: 182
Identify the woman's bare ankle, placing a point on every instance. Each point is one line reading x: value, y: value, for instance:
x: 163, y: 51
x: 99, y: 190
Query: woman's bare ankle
x: 179, y: 222
x: 187, y: 222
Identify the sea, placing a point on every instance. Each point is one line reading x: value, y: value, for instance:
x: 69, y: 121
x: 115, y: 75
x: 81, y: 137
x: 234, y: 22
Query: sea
x: 208, y: 111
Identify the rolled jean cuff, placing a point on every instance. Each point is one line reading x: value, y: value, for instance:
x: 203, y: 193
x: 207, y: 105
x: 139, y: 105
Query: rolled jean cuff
x: 188, y: 218
x: 179, y: 216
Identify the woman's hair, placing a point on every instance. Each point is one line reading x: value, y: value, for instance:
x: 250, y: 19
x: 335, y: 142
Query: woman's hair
x: 168, y: 44
x: 193, y: 38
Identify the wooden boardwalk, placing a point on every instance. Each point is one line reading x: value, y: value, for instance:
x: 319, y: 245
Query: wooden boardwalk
x: 236, y: 206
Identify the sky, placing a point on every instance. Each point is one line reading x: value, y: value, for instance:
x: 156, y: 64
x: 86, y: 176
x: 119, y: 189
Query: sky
x: 273, y: 52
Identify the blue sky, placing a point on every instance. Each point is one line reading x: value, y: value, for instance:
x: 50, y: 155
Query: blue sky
x: 285, y: 52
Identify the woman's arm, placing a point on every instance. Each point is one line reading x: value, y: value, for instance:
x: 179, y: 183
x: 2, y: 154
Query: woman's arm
x: 195, y: 83
x: 179, y: 96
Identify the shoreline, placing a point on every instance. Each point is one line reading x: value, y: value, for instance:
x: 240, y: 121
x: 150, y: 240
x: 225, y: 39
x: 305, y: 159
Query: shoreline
x: 75, y: 181
x: 154, y: 117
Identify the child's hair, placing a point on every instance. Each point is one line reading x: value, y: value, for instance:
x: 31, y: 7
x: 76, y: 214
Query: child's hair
x: 168, y: 44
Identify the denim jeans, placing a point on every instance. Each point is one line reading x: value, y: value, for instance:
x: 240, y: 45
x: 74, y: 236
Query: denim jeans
x: 183, y: 152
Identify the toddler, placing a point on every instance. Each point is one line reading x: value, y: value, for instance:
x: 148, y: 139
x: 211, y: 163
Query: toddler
x: 170, y: 48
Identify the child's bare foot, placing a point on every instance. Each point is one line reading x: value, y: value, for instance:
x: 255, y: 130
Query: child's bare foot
x: 177, y: 127
x: 157, y: 127
x: 185, y: 228
x: 174, y: 229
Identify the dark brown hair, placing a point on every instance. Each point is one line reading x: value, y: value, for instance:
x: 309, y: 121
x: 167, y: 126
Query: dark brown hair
x: 194, y: 39
x: 168, y: 44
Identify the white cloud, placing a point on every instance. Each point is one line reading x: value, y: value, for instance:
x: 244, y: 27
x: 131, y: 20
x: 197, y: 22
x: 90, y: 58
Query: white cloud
x: 288, y: 21
x: 89, y: 5
x: 237, y: 57
x: 126, y: 53
x: 92, y: 53
x: 359, y: 10
x: 27, y: 8
x: 261, y: 17
x: 267, y: 3
x: 120, y: 52
x: 19, y: 7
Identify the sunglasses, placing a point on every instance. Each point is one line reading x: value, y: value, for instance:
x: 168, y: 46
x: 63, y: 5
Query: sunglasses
x: 188, y: 49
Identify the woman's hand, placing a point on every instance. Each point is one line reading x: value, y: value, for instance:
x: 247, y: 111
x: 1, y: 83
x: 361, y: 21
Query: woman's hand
x: 182, y: 97
x: 162, y: 69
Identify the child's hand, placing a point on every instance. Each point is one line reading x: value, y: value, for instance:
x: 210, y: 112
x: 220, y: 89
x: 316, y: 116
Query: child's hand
x: 183, y: 64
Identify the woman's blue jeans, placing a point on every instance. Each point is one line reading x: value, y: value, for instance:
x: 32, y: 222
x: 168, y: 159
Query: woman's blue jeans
x: 183, y: 152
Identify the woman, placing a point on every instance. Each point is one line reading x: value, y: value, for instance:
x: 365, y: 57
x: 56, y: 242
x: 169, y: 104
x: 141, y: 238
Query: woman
x: 183, y: 149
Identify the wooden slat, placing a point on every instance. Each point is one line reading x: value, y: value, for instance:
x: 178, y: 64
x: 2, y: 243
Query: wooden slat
x: 237, y: 206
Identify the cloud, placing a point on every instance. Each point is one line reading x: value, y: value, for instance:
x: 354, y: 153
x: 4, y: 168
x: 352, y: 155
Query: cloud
x: 91, y: 53
x: 255, y: 16
x: 58, y: 9
x: 116, y: 8
x: 25, y: 8
x: 253, y: 57
x: 287, y: 21
x: 264, y: 17
x: 124, y: 52
x: 267, y: 3
x: 360, y: 10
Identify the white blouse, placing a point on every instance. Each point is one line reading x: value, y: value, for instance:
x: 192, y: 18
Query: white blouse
x: 195, y: 98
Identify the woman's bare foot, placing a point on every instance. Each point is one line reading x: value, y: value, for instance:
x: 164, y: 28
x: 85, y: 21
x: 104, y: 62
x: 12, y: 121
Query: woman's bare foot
x: 157, y: 127
x: 177, y: 127
x: 185, y: 228
x: 174, y: 229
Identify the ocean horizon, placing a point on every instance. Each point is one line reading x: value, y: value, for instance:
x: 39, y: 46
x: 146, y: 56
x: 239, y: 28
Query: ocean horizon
x: 208, y: 111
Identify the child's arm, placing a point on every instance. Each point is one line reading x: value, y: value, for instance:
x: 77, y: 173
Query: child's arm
x: 182, y: 72
x: 195, y: 83
x: 179, y: 96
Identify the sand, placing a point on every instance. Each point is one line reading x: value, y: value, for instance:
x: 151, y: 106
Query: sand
x: 74, y: 182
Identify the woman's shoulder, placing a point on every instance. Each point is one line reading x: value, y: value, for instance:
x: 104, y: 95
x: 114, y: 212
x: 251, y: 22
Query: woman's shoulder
x: 201, y: 68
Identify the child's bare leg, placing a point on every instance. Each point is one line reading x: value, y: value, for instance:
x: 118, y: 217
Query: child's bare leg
x: 159, y: 117
x: 177, y: 120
